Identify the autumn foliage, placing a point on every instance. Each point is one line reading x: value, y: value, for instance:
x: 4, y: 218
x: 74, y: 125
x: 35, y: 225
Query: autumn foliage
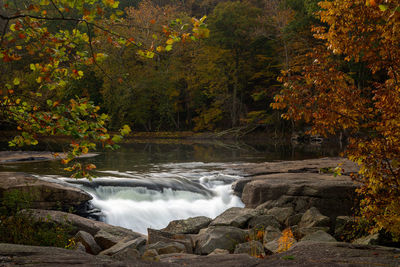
x: 352, y: 85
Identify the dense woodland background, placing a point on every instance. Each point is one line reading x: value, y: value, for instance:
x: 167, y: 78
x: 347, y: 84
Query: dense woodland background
x: 223, y: 81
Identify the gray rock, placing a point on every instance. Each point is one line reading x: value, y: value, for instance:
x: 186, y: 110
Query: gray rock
x: 42, y: 193
x: 301, y: 232
x: 299, y: 188
x: 125, y: 244
x: 313, y: 218
x: 253, y: 248
x: 282, y: 214
x: 236, y: 217
x: 319, y: 236
x: 127, y: 254
x: 106, y: 240
x: 219, y: 251
x: 188, y: 226
x: 368, y: 240
x: 263, y: 221
x: 223, y: 237
x: 271, y: 234
x: 155, y: 236
x: 88, y: 241
x: 80, y: 247
x: 149, y: 255
x: 272, y: 246
x: 226, y: 260
x: 294, y: 219
x: 167, y: 248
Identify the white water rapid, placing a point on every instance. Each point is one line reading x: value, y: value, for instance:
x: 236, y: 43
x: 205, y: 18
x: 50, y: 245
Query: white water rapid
x: 139, y: 200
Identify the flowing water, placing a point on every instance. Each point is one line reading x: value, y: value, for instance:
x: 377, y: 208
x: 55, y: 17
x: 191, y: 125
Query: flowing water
x: 149, y: 185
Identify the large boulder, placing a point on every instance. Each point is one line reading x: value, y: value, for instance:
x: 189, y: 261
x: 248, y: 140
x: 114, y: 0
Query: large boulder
x: 188, y: 226
x: 281, y: 213
x: 43, y: 193
x: 167, y: 248
x: 124, y: 245
x: 300, y: 185
x: 223, y: 237
x: 236, y: 217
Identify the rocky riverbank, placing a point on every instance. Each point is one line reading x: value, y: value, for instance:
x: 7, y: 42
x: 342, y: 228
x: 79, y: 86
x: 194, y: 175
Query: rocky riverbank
x: 300, y: 205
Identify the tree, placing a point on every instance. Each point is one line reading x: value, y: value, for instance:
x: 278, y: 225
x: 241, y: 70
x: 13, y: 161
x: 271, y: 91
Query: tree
x: 45, y: 46
x: 331, y: 97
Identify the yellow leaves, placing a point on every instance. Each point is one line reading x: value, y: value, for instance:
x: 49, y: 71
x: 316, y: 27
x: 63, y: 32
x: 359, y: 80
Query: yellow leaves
x: 286, y: 240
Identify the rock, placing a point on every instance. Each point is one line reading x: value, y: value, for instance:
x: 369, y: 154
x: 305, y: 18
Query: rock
x: 313, y: 218
x: 343, y: 227
x: 281, y: 214
x: 368, y: 240
x: 21, y: 255
x: 167, y: 248
x: 80, y: 247
x: 294, y: 219
x: 272, y: 246
x: 223, y: 237
x: 333, y: 196
x: 88, y: 241
x: 319, y: 236
x: 136, y: 244
x: 80, y: 223
x: 226, y: 260
x: 253, y: 248
x: 127, y: 254
x: 43, y: 193
x: 188, y: 226
x: 150, y: 255
x: 155, y: 236
x: 263, y: 221
x: 219, y: 251
x: 236, y: 217
x: 107, y: 240
x: 271, y: 234
x: 319, y: 254
x: 301, y: 232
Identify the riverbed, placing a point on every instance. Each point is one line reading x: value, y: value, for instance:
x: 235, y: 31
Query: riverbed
x: 147, y: 185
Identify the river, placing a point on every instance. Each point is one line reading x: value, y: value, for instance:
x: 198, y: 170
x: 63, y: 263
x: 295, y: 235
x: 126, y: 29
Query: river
x: 146, y: 185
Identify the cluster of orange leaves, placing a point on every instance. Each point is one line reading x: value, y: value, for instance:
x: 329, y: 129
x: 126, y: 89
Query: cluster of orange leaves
x: 364, y: 34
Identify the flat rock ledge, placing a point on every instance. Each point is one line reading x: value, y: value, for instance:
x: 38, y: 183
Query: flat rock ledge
x: 300, y: 185
x: 42, y: 193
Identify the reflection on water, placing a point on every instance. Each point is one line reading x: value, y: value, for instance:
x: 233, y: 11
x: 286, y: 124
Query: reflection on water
x: 147, y: 185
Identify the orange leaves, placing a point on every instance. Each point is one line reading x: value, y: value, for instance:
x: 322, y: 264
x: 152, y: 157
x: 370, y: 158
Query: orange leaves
x: 286, y: 240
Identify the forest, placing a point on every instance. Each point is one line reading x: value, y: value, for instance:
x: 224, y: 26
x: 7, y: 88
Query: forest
x: 210, y: 65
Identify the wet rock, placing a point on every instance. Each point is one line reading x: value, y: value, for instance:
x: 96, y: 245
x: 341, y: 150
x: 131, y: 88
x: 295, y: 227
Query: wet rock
x: 167, y: 248
x: 223, y: 237
x: 263, y: 221
x: 313, y: 218
x: 188, y: 226
x: 236, y: 217
x: 88, y: 241
x: 252, y: 248
x: 319, y: 236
